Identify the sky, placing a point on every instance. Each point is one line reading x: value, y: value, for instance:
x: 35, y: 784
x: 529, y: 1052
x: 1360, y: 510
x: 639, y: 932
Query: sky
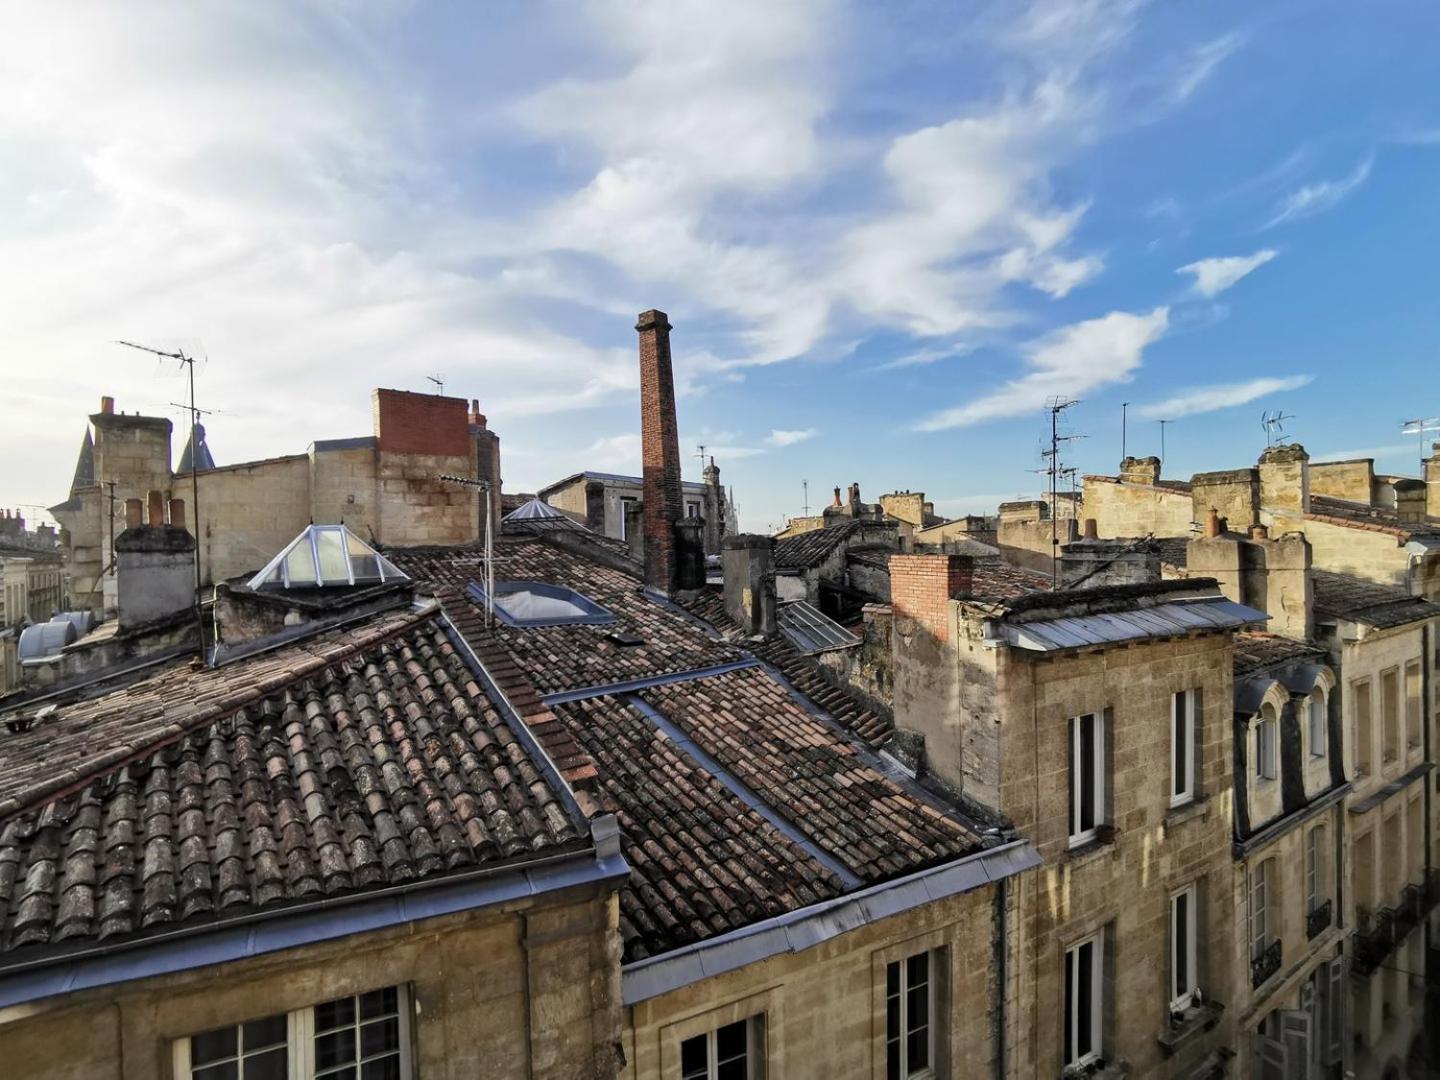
x: 887, y: 235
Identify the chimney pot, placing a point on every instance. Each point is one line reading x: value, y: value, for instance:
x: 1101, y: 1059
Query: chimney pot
x: 1259, y: 532
x: 107, y: 405
x: 1092, y: 531
x: 1212, y: 523
x: 837, y: 495
x: 156, y: 503
x: 177, y: 513
x: 134, y: 513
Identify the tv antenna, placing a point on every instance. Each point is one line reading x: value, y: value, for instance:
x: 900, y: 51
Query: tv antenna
x: 1420, y: 427
x: 1162, y: 424
x: 189, y: 363
x: 439, y: 384
x: 805, y: 486
x: 1274, y: 425
x: 1056, y: 406
x: 1124, y: 418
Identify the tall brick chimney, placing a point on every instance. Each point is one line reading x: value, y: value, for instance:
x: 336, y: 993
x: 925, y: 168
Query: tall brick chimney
x: 659, y: 450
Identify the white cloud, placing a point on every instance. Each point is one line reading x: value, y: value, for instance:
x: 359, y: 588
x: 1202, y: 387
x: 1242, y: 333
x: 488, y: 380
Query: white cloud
x: 1214, y: 276
x: 1067, y: 362
x: 1201, y: 63
x: 613, y: 453
x: 781, y: 437
x: 1203, y: 399
x: 1318, y: 197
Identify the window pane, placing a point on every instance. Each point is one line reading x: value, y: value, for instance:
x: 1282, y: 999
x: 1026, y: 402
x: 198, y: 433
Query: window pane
x: 693, y: 1062
x: 917, y: 1047
x: 270, y: 1031
x: 1084, y: 960
x: 384, y: 1069
x: 918, y: 970
x: 730, y: 1041
x: 1069, y: 1006
x: 211, y: 1046
x: 269, y: 1065
x: 1182, y: 944
x: 1087, y: 772
x: 1179, y: 739
x: 732, y: 1070
x: 227, y: 1071
x: 379, y: 1003
x: 334, y: 1014
x: 345, y: 1072
x: 336, y: 1048
x: 300, y: 563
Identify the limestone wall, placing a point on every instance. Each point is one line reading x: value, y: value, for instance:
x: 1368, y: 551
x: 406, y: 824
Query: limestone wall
x: 1351, y: 480
x: 1136, y: 509
x: 507, y: 993
x: 249, y: 512
x: 1029, y: 543
x: 907, y: 506
x: 1373, y: 555
x: 343, y: 489
x: 416, y: 507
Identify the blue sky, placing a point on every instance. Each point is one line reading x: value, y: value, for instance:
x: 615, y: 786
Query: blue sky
x: 885, y: 234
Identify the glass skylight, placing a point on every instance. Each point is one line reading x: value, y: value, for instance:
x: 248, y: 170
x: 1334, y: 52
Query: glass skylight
x: 325, y: 556
x: 534, y: 603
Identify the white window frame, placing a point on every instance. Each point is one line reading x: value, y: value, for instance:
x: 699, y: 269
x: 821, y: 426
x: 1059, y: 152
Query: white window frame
x: 1267, y: 749
x: 932, y: 960
x: 1185, y: 753
x: 1317, y: 710
x: 626, y: 501
x: 1186, y: 997
x: 1071, y: 998
x: 754, y: 1047
x: 1259, y: 906
x: 300, y: 1039
x: 1079, y: 835
x: 1315, y: 891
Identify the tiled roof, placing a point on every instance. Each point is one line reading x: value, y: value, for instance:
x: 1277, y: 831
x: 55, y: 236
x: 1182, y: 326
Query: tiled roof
x: 566, y: 657
x: 995, y: 579
x: 368, y: 757
x: 812, y: 548
x: 1369, y: 602
x: 1256, y: 650
x: 1373, y: 519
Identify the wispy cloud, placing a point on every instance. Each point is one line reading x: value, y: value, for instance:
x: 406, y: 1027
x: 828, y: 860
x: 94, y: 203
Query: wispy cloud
x: 922, y: 357
x: 1070, y: 361
x: 1389, y: 450
x: 781, y: 437
x: 1203, y: 399
x: 1201, y: 63
x: 1214, y: 276
x: 1318, y: 197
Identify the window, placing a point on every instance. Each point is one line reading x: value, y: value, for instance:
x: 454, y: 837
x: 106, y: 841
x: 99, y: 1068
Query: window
x: 1390, y: 713
x: 1087, y: 776
x: 1184, y: 979
x: 1316, y: 892
x: 1182, y: 747
x: 909, y: 1028
x: 1266, y: 749
x: 626, y: 502
x: 692, y: 509
x: 324, y: 556
x: 365, y: 1037
x: 1319, y: 737
x: 534, y: 603
x: 1084, y: 993
x: 733, y: 1052
x: 1412, y: 703
x: 1261, y: 882
x: 1364, y: 729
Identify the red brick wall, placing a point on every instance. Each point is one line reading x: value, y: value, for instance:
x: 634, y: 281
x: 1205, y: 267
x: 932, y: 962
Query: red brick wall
x: 407, y: 423
x: 922, y: 586
x: 659, y: 449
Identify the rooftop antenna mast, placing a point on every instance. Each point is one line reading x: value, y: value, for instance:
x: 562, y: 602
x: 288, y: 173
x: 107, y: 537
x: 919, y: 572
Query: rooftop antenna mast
x: 1274, y: 425
x: 1162, y: 424
x: 1420, y: 427
x: 439, y: 384
x: 189, y: 363
x: 805, y: 485
x: 700, y: 453
x: 1056, y: 406
x: 487, y: 559
x: 1124, y: 419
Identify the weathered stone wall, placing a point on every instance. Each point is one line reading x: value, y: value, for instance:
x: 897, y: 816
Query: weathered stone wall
x: 907, y: 506
x: 508, y: 993
x: 1128, y: 509
x: 824, y: 1007
x: 249, y: 512
x: 1373, y: 555
x: 1353, y: 480
x: 867, y: 668
x: 1234, y: 494
x: 343, y: 488
x: 416, y: 507
x: 1028, y: 543
x: 926, y: 677
x: 1285, y: 479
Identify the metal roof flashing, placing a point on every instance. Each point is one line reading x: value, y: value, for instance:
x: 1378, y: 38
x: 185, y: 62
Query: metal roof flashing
x: 1171, y: 619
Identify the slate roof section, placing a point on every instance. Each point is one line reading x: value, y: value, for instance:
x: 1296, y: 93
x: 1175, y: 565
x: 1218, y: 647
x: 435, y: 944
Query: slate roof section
x: 995, y: 579
x: 1373, y: 519
x: 370, y: 759
x: 812, y: 548
x: 1381, y: 606
x: 570, y: 657
x: 688, y: 486
x: 1256, y: 651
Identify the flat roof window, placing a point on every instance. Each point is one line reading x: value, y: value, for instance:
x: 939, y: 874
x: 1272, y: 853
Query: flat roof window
x: 535, y: 603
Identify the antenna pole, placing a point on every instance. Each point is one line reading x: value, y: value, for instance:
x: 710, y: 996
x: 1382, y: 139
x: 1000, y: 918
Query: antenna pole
x: 1124, y: 418
x: 805, y: 484
x: 1056, y: 406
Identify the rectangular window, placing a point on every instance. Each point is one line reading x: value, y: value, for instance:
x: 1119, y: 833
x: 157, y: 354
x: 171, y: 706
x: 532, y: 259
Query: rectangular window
x: 1390, y: 713
x: 909, y: 1025
x: 692, y: 509
x: 1364, y: 729
x: 625, y: 504
x: 1319, y: 730
x: 1412, y: 703
x: 732, y: 1052
x: 1087, y: 776
x: 1182, y: 747
x: 1084, y: 992
x: 365, y: 1037
x: 1260, y: 883
x: 1184, y: 980
x: 1266, y: 750
x: 1316, y: 892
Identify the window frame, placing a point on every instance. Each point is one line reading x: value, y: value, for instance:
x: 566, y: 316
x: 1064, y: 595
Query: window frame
x: 933, y: 960
x: 300, y: 1037
x: 592, y: 612
x: 1190, y: 791
x: 1362, y: 696
x: 626, y: 501
x: 1316, y: 893
x: 754, y: 1048
x: 1413, y: 705
x: 1390, y: 706
x: 1191, y: 894
x: 1083, y: 835
x: 1070, y: 1018
x: 1260, y: 881
x: 1267, y: 744
x: 1317, y: 721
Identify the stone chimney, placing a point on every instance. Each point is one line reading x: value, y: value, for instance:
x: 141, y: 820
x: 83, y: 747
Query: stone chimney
x: 749, y: 563
x: 714, y: 514
x: 1270, y: 575
x: 154, y: 563
x: 855, y: 500
x: 838, y: 503
x: 1432, y: 481
x: 659, y: 450
x: 1092, y: 563
x: 1285, y: 479
x: 1140, y: 470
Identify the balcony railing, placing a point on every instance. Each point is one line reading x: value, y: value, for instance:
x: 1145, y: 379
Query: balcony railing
x: 1317, y: 919
x: 1265, y: 964
x: 1377, y: 935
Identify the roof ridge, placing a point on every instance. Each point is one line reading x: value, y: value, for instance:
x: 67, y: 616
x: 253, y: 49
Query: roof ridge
x: 58, y: 785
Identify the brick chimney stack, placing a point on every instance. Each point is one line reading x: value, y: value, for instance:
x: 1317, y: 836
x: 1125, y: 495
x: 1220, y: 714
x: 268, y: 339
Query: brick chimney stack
x: 659, y: 450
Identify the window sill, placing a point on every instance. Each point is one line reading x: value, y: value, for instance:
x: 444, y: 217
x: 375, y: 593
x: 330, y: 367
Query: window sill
x: 1195, y: 808
x: 1082, y: 850
x: 1096, y: 1070
x: 1196, y: 1018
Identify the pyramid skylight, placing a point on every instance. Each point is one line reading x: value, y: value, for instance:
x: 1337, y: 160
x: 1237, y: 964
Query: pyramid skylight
x: 325, y: 556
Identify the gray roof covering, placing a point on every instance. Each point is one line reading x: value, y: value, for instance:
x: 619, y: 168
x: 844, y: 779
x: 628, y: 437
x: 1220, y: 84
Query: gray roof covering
x: 1163, y: 620
x: 84, y: 465
x: 535, y: 510
x: 203, y: 460
x: 1381, y: 606
x: 809, y: 549
x: 615, y: 478
x: 809, y: 630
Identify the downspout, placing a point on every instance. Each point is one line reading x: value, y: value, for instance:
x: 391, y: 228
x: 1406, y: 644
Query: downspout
x: 1001, y: 944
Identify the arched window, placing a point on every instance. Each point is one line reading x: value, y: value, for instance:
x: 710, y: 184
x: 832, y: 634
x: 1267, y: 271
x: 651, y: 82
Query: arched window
x: 1267, y: 748
x: 1317, y: 730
